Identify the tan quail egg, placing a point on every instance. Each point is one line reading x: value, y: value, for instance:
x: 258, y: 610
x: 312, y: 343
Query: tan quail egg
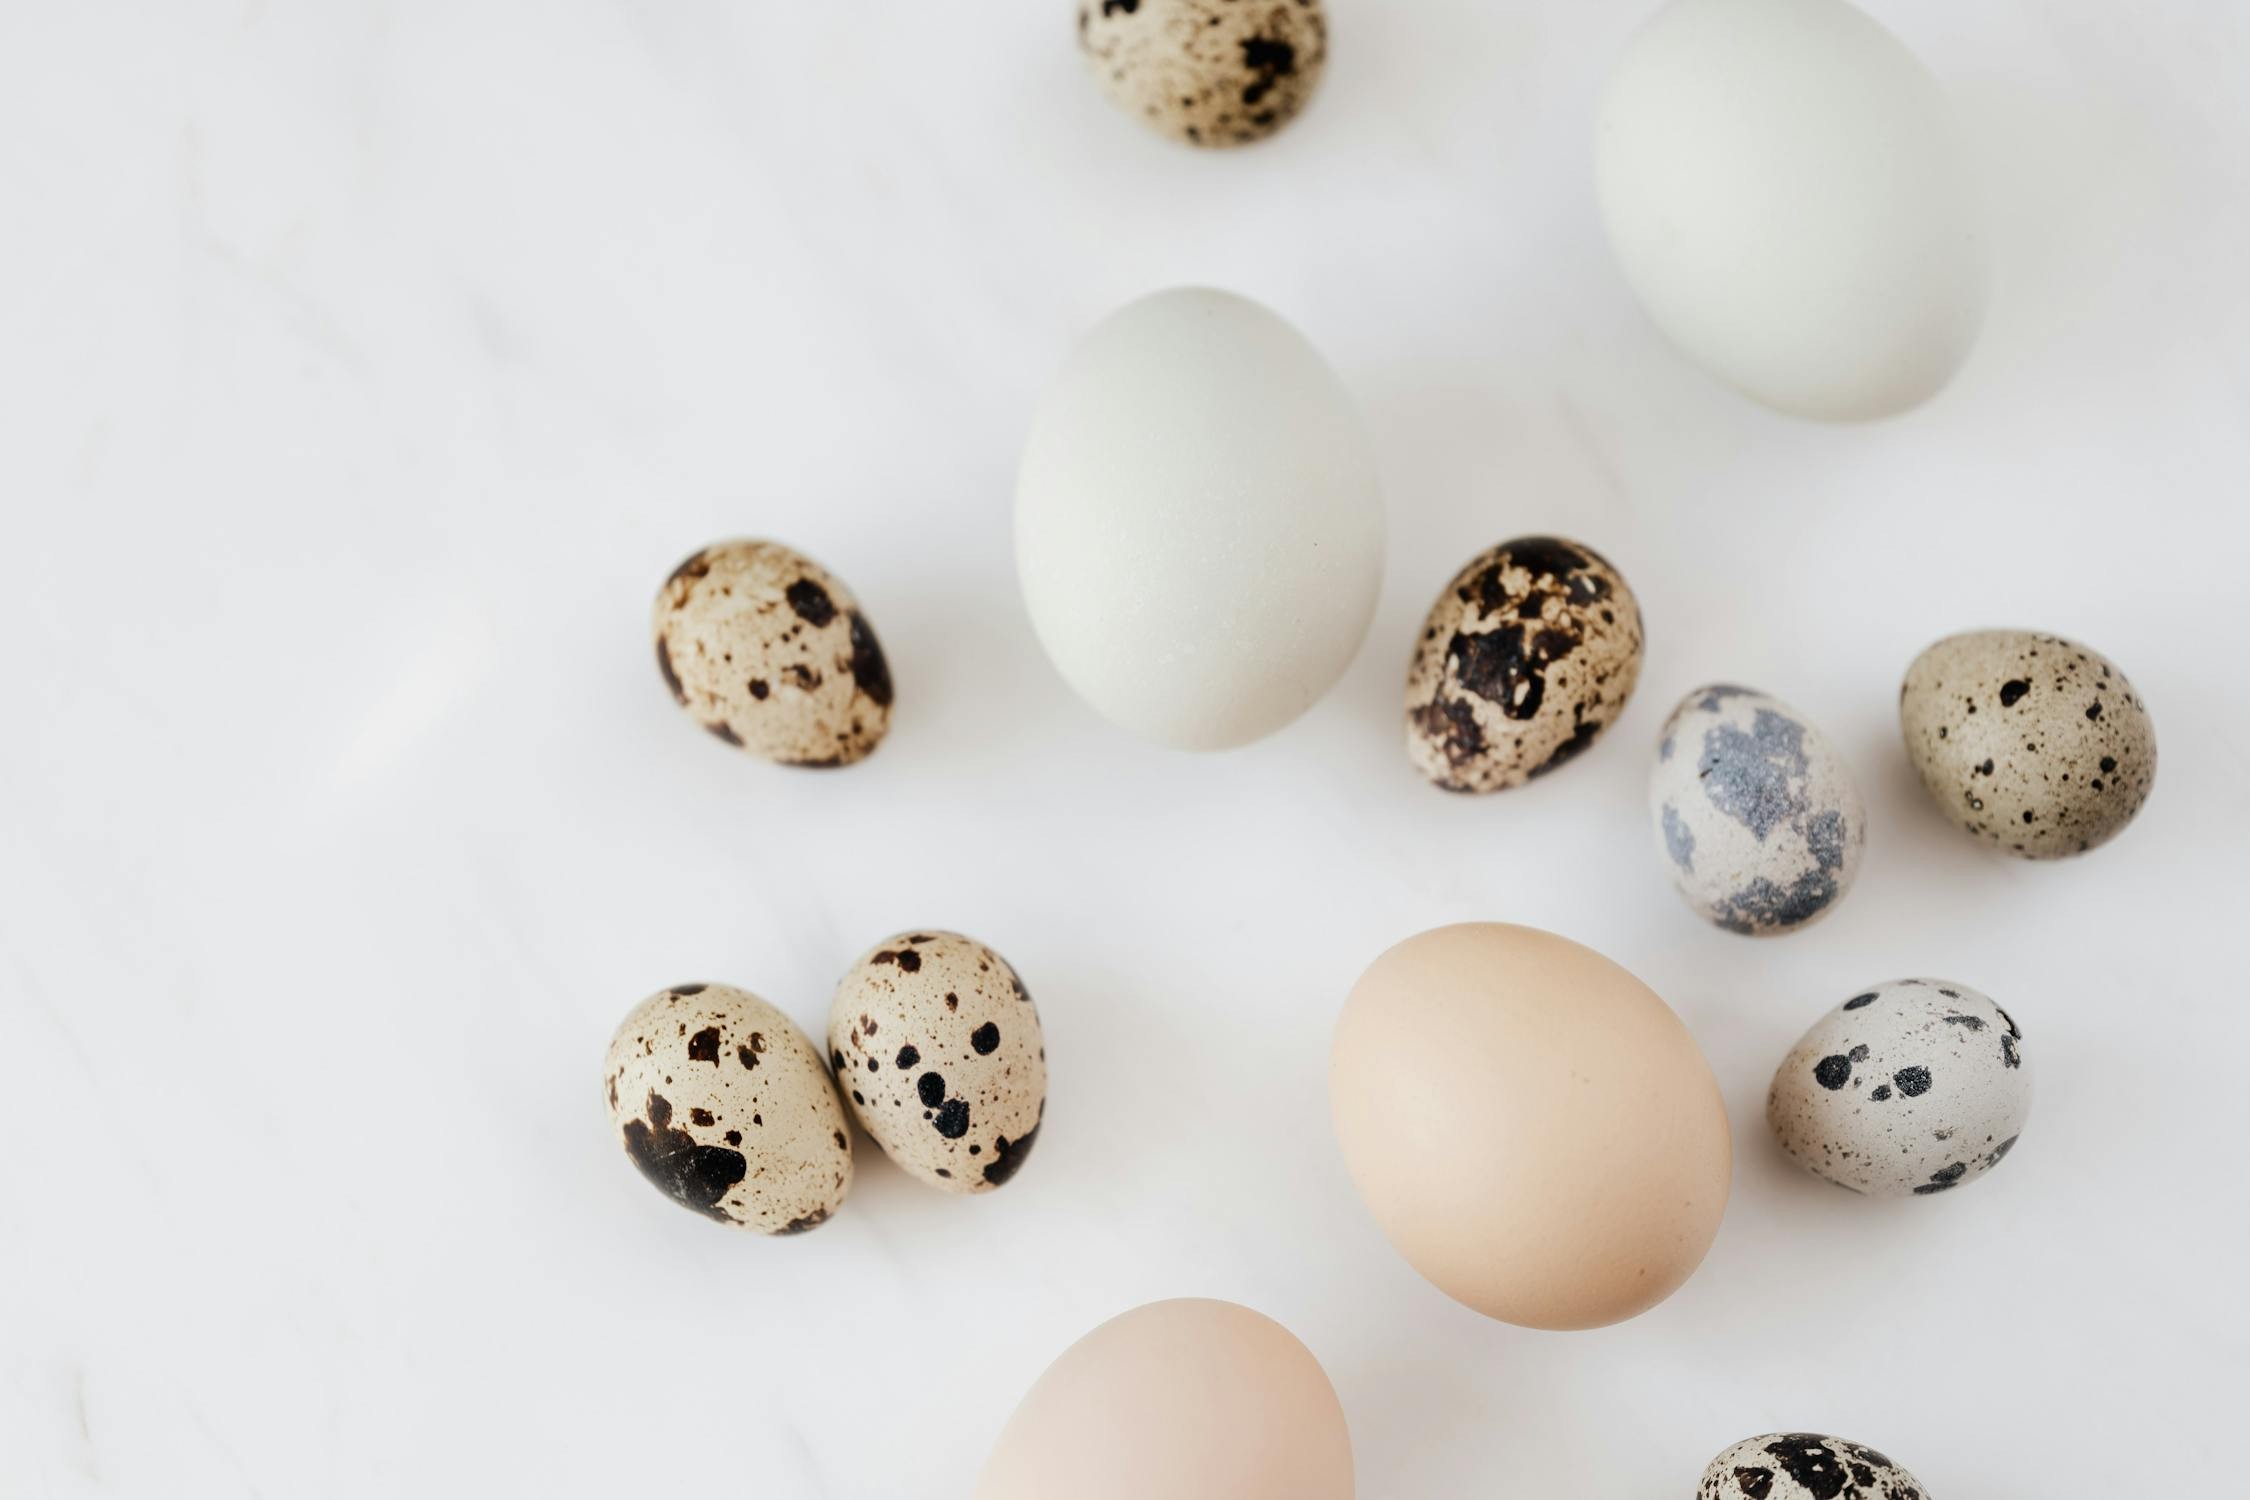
x: 1806, y: 1466
x: 939, y: 1046
x: 1528, y: 655
x: 1208, y: 72
x: 771, y: 653
x: 2034, y: 743
x: 724, y: 1105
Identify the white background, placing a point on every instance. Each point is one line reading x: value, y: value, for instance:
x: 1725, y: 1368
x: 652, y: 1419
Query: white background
x: 363, y: 369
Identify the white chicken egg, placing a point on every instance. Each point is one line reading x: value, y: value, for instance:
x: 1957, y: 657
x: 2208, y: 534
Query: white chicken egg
x: 1199, y: 529
x: 1787, y: 193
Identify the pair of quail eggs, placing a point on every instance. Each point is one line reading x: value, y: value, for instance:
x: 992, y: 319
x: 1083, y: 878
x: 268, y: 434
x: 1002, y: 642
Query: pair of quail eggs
x: 2034, y: 743
x: 934, y: 1049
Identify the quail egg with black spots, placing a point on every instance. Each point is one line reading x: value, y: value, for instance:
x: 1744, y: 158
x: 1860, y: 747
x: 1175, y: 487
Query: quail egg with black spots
x: 1911, y: 1088
x: 939, y: 1047
x: 1756, y: 815
x: 772, y: 654
x: 1207, y: 72
x: 724, y: 1105
x: 1806, y: 1466
x: 1529, y: 654
x: 2033, y: 743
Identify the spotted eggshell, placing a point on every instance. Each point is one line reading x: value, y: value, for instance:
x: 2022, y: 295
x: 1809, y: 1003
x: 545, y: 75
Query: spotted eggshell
x: 2033, y: 742
x: 1911, y: 1087
x: 1208, y: 72
x: 1756, y: 815
x: 940, y: 1048
x: 1529, y: 654
x: 1806, y: 1466
x: 723, y: 1104
x: 769, y: 652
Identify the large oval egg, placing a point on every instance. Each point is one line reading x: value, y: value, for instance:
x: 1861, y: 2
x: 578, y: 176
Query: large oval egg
x: 1534, y: 1130
x: 1199, y: 528
x: 1188, y: 1400
x: 1786, y: 192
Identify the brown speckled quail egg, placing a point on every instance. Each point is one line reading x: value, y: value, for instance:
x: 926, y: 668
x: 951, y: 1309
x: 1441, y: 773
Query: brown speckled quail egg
x: 937, y: 1043
x: 724, y: 1105
x: 770, y: 653
x: 1529, y: 654
x: 2036, y: 744
x: 1208, y: 72
x: 1806, y: 1466
x: 1908, y: 1088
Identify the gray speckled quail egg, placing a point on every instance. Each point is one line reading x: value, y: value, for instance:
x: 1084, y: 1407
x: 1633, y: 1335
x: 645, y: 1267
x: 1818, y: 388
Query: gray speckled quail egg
x: 2033, y: 742
x: 723, y: 1104
x: 1208, y: 72
x: 1806, y: 1466
x: 1529, y: 654
x: 939, y: 1046
x: 771, y: 653
x: 1756, y: 815
x: 1911, y: 1087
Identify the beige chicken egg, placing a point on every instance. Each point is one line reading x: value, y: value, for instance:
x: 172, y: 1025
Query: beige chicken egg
x: 1185, y: 1400
x: 1207, y: 72
x: 727, y: 1110
x: 772, y: 654
x: 1532, y: 1128
x: 939, y: 1046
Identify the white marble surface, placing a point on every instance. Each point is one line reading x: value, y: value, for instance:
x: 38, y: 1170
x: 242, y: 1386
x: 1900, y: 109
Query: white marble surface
x: 364, y: 366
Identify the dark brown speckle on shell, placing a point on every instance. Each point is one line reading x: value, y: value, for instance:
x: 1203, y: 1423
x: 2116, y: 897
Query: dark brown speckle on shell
x: 1207, y: 72
x: 1526, y: 657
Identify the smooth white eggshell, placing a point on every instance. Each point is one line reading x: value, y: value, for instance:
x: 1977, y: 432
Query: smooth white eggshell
x: 1786, y: 191
x: 1199, y: 528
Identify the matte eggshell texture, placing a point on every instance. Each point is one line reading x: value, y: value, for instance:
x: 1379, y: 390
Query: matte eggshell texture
x: 769, y: 652
x: 1805, y: 1466
x: 721, y: 1102
x: 1912, y: 1087
x: 1756, y: 816
x: 2036, y: 744
x: 1188, y: 1400
x: 939, y: 1046
x: 1532, y: 1127
x: 1531, y: 652
x: 1199, y: 531
x: 1787, y: 192
x: 1208, y: 72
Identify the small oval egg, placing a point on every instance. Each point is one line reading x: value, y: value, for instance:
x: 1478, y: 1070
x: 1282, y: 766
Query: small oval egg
x: 1207, y: 72
x: 2033, y: 743
x: 726, y: 1108
x: 1756, y: 816
x: 1188, y: 1400
x: 1528, y: 655
x: 1533, y: 1129
x: 939, y: 1046
x: 1907, y: 1089
x: 1199, y: 531
x: 770, y: 653
x: 1787, y: 193
x: 1806, y: 1466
